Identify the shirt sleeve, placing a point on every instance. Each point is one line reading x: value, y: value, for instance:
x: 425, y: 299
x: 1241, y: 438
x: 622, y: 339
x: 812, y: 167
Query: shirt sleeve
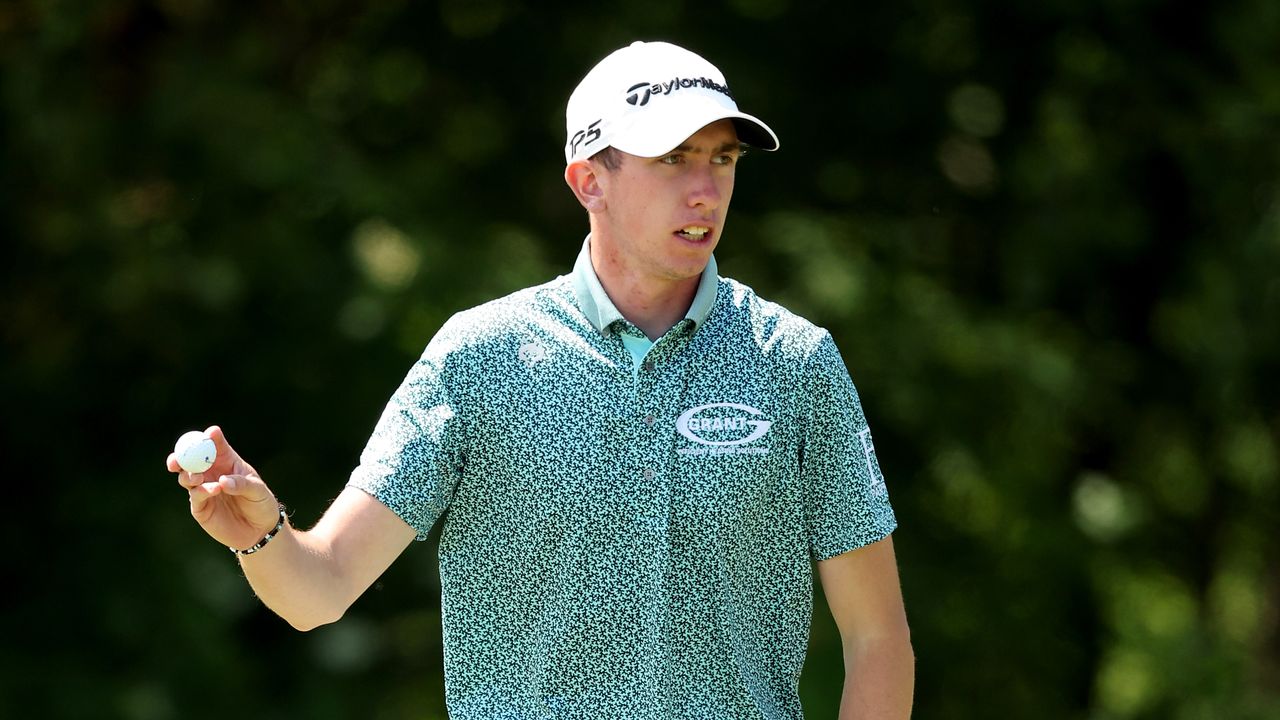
x: 846, y: 500
x: 413, y: 459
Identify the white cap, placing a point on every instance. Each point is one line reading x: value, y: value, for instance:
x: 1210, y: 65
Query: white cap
x: 649, y: 97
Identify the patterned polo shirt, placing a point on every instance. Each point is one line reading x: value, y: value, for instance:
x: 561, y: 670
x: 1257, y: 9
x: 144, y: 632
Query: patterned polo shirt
x: 628, y: 539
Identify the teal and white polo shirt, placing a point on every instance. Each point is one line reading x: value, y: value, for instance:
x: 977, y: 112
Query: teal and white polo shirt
x: 628, y: 536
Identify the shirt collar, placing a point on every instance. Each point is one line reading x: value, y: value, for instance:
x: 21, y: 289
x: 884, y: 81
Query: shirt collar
x: 602, y: 313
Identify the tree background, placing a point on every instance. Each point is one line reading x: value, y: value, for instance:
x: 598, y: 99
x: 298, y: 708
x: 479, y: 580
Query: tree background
x: 1046, y: 237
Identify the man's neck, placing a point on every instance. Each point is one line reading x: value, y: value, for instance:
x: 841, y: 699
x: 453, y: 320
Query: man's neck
x: 654, y: 305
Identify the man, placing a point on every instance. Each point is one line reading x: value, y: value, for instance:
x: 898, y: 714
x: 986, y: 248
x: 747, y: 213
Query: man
x: 640, y: 461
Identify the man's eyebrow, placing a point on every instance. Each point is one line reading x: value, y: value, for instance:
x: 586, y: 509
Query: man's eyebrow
x: 727, y: 147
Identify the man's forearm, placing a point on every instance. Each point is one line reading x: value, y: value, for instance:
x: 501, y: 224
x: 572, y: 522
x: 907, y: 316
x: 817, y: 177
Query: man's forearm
x: 879, y: 681
x: 296, y: 579
x: 310, y: 578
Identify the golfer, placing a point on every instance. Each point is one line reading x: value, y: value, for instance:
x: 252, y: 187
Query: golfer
x: 637, y: 464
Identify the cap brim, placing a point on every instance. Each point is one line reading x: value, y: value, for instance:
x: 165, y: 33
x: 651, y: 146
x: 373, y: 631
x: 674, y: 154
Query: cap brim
x: 755, y: 133
x: 667, y: 128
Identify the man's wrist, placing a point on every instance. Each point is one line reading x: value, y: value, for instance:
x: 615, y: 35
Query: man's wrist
x: 280, y: 523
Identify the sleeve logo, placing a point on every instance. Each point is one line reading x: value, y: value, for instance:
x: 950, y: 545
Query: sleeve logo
x: 875, y: 479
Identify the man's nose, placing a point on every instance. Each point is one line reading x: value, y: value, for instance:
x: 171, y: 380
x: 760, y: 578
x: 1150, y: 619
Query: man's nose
x: 704, y: 191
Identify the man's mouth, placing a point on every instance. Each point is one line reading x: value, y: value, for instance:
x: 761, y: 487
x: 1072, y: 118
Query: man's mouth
x: 693, y: 232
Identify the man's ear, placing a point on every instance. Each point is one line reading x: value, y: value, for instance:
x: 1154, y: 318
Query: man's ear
x: 585, y: 184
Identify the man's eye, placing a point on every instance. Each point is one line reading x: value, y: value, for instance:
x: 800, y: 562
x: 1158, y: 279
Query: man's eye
x: 671, y: 160
x: 725, y: 159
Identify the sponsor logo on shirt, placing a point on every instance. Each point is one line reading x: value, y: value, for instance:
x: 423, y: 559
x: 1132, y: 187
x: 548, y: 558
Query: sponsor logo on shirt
x: 723, y: 428
x: 531, y: 353
x: 875, y: 479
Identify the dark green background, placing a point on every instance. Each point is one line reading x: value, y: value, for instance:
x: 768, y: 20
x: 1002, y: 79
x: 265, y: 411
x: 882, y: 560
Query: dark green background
x: 1046, y: 237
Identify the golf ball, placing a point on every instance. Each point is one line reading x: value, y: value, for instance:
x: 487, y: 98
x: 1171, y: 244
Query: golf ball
x: 195, y: 451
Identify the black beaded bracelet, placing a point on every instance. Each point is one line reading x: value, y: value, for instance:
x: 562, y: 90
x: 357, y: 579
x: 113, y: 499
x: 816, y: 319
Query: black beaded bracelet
x: 265, y: 538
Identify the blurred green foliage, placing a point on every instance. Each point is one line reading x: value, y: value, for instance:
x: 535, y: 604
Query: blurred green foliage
x: 1046, y: 237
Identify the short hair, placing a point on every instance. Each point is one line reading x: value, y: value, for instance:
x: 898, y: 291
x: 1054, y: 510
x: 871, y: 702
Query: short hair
x: 609, y: 158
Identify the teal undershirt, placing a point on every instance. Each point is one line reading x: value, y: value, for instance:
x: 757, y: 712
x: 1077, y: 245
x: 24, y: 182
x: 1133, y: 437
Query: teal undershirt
x: 602, y: 313
x: 638, y: 347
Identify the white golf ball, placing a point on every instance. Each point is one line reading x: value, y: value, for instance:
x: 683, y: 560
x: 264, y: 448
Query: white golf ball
x: 195, y: 451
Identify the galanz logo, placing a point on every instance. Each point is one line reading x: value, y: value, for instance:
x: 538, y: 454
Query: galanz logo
x: 734, y: 424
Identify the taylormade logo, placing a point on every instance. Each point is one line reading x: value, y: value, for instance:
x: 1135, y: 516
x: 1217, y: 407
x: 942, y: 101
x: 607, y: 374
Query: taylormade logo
x: 639, y: 94
x: 635, y: 99
x: 722, y: 432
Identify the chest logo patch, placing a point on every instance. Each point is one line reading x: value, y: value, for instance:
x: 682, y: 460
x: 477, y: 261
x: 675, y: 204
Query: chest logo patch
x: 722, y: 426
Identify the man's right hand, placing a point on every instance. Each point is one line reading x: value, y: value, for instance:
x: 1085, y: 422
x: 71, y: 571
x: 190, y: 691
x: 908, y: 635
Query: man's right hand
x: 229, y: 500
